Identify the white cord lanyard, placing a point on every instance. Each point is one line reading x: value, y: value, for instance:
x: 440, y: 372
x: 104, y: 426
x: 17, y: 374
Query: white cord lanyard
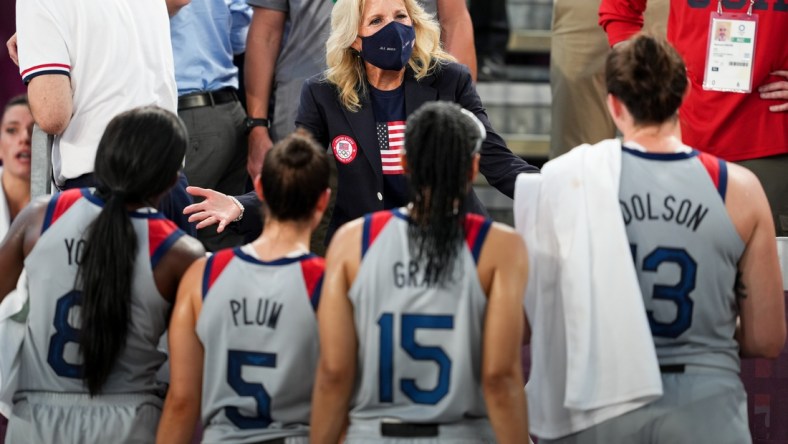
x: 749, y: 10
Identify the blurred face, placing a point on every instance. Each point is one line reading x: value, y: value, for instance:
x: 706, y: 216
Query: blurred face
x: 16, y: 129
x: 379, y: 13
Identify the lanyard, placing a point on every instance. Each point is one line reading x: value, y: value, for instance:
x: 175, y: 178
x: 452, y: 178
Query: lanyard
x: 749, y: 10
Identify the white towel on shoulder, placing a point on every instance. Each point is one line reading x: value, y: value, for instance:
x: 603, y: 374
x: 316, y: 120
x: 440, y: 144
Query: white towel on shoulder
x: 13, y: 323
x: 593, y: 356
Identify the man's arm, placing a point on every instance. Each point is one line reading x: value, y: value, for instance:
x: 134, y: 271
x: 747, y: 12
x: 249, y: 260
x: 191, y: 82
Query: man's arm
x: 621, y: 19
x: 457, y: 32
x: 504, y: 326
x: 182, y: 406
x: 51, y: 102
x: 759, y: 287
x: 336, y: 370
x: 262, y: 50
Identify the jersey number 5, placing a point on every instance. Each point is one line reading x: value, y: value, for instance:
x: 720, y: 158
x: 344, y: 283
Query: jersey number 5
x: 679, y: 293
x: 411, y: 323
x: 236, y: 360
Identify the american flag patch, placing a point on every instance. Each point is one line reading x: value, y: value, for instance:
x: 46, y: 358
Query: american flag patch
x: 391, y: 138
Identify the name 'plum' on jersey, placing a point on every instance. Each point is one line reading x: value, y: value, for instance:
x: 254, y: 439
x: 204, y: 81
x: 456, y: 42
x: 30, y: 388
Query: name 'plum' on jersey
x: 686, y: 251
x: 259, y: 332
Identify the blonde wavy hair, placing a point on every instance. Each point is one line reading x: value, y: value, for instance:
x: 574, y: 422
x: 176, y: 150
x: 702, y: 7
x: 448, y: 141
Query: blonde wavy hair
x: 345, y: 67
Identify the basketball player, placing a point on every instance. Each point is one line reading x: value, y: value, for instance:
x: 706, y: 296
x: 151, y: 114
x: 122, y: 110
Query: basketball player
x: 243, y: 337
x: 421, y: 319
x: 103, y: 269
x: 702, y: 241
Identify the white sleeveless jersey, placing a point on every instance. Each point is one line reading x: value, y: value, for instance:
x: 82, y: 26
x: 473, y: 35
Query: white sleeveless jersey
x: 686, y: 251
x: 419, y: 351
x: 51, y: 359
x: 259, y: 332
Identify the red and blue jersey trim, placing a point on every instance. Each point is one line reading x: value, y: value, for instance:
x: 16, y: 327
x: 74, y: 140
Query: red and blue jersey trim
x: 716, y: 167
x: 214, y: 267
x: 312, y: 269
x: 58, y: 205
x: 373, y: 225
x: 476, y: 229
x: 46, y: 68
x: 718, y: 171
x: 162, y: 235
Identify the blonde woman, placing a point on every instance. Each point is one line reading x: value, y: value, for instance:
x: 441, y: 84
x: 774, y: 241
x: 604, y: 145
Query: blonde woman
x: 384, y: 61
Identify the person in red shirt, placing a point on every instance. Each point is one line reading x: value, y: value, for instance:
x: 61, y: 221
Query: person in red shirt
x: 751, y: 128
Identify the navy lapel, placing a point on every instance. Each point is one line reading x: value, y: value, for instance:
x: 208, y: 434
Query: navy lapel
x: 362, y: 122
x: 418, y: 93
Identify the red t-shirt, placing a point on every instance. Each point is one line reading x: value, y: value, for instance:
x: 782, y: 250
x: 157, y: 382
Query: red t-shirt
x: 729, y: 125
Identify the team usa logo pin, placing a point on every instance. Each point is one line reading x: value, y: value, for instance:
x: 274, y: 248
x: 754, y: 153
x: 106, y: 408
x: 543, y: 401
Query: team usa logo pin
x: 345, y: 148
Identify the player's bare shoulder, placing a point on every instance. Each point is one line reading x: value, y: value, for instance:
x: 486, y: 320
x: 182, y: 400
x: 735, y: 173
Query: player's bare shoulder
x: 745, y: 200
x: 504, y: 249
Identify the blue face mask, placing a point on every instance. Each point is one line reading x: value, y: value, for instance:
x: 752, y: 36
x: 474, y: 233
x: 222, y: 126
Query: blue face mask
x: 389, y: 48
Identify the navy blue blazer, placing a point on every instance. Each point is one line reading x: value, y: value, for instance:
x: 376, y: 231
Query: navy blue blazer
x: 360, y: 180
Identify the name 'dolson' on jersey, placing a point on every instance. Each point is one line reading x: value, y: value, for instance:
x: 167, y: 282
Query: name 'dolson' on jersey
x: 255, y: 311
x: 682, y: 212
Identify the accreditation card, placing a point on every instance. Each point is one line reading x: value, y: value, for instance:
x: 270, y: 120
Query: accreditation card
x: 731, y: 51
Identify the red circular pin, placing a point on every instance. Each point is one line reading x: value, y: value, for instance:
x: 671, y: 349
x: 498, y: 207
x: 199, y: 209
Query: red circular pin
x: 345, y: 148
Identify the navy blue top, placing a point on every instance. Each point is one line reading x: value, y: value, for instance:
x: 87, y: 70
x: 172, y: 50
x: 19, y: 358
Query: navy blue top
x: 389, y: 110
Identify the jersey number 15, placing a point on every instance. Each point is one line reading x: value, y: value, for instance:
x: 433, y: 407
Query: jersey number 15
x: 409, y: 324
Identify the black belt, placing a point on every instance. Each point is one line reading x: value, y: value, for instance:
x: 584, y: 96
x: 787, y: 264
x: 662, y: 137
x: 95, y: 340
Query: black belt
x: 273, y: 441
x: 408, y: 430
x: 673, y: 368
x: 208, y: 98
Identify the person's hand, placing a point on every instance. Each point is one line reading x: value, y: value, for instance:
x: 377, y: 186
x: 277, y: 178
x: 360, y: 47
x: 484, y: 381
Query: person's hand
x: 776, y: 91
x: 259, y: 144
x: 12, y: 49
x: 215, y: 208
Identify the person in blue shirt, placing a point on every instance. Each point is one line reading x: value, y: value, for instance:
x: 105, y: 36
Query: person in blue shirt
x: 206, y: 34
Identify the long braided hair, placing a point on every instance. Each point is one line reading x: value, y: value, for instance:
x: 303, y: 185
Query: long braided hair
x: 138, y: 159
x: 441, y: 140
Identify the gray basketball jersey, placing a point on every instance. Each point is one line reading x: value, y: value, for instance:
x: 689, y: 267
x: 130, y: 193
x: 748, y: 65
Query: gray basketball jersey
x: 419, y: 351
x: 50, y: 357
x: 686, y: 252
x: 259, y: 332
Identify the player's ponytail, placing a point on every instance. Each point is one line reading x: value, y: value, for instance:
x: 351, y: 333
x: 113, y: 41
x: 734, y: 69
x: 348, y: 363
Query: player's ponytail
x: 137, y: 160
x: 440, y: 141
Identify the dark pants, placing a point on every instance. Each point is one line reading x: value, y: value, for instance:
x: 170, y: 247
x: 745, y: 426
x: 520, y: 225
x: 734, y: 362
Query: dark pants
x: 216, y: 159
x: 171, y: 204
x: 3, y: 427
x: 490, y: 30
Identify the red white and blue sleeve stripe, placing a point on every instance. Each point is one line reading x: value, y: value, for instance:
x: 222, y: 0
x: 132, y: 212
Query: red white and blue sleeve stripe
x: 46, y: 68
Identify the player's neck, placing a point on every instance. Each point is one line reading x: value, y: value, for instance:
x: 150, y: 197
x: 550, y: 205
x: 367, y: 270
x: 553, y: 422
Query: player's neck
x: 280, y: 239
x: 660, y: 138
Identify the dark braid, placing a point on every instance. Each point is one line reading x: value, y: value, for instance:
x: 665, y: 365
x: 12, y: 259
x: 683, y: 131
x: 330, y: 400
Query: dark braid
x: 439, y: 144
x: 138, y: 159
